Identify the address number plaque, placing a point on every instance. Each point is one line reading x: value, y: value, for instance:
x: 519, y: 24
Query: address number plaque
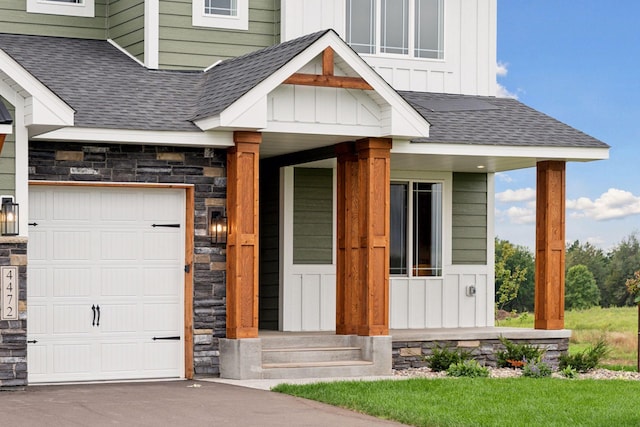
x: 9, y: 295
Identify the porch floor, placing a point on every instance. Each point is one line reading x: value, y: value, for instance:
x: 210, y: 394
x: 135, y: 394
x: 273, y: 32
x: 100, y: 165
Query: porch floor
x: 441, y: 334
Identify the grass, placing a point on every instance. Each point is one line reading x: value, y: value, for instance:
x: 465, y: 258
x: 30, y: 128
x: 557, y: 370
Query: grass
x: 619, y: 326
x: 484, y: 401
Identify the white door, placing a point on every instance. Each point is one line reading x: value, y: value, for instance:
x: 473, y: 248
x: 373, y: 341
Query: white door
x: 105, y: 283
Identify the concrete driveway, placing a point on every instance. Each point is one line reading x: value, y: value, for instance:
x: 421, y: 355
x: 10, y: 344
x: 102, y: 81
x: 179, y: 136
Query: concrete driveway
x: 171, y: 403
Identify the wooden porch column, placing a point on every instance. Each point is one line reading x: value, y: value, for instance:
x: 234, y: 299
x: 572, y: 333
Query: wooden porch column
x: 348, y: 264
x: 550, y: 250
x: 374, y: 176
x: 242, y: 239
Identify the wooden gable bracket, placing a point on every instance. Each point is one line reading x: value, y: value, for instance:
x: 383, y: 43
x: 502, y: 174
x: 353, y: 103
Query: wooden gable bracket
x: 327, y: 79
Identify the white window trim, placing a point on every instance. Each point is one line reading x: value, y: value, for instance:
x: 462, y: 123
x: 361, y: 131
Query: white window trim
x: 238, y: 22
x: 85, y: 9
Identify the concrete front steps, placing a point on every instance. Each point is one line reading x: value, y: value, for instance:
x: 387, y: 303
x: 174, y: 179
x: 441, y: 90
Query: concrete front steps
x: 324, y: 356
x: 282, y: 355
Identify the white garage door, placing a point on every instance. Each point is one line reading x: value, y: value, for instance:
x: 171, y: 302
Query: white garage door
x: 105, y: 283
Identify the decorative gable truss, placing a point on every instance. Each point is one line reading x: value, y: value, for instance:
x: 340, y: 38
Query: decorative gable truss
x: 325, y: 89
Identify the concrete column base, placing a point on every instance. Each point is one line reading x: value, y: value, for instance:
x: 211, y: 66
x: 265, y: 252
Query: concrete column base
x: 241, y: 359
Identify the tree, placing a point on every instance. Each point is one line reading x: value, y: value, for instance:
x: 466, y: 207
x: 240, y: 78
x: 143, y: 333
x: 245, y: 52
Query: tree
x: 581, y: 291
x: 596, y: 261
x: 515, y: 269
x: 624, y: 261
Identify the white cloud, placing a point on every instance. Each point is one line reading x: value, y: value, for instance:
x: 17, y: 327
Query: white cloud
x: 518, y: 215
x: 504, y: 177
x: 613, y: 204
x: 519, y: 195
x: 501, y: 69
x: 503, y: 92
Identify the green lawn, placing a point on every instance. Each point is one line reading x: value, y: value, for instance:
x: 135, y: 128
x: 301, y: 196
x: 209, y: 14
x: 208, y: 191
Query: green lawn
x: 484, y: 401
x: 619, y: 325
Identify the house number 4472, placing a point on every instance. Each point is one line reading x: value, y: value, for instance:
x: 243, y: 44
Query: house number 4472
x: 9, y: 295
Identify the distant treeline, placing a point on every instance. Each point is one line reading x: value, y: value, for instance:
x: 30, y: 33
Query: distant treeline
x: 592, y: 276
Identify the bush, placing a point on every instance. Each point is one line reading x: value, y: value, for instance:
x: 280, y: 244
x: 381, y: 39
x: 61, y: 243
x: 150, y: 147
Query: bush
x: 517, y: 355
x: 467, y: 368
x: 442, y: 358
x: 585, y: 360
x: 569, y: 372
x: 536, y: 370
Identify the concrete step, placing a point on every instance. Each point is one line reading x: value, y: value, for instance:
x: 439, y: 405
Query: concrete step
x: 310, y: 354
x: 301, y: 341
x: 318, y: 369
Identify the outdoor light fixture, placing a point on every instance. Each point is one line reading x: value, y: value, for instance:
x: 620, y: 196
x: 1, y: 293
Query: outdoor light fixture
x: 217, y: 225
x: 9, y: 217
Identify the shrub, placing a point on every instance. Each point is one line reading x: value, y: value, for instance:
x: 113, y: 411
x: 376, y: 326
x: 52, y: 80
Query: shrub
x: 585, y: 360
x: 442, y: 358
x: 517, y: 355
x: 467, y: 368
x: 536, y: 370
x: 569, y: 372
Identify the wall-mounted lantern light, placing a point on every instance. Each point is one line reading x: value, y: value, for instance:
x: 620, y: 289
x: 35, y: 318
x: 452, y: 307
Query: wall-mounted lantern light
x: 217, y: 225
x: 9, y: 217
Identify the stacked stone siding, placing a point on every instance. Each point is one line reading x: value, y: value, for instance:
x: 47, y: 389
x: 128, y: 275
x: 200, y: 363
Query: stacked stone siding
x: 204, y: 168
x: 414, y: 354
x: 13, y: 333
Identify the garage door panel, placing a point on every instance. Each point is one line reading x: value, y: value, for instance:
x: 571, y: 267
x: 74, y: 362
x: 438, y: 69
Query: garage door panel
x: 72, y: 319
x: 120, y: 282
x: 71, y: 245
x: 71, y: 205
x: 119, y: 206
x: 119, y: 245
x: 72, y: 282
x: 161, y: 281
x: 161, y: 245
x: 96, y: 247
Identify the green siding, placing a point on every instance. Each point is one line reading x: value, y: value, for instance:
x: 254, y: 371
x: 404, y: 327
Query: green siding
x: 7, y: 160
x: 313, y: 216
x: 469, y: 218
x: 15, y: 19
x: 183, y: 46
x: 269, y: 248
x: 126, y: 25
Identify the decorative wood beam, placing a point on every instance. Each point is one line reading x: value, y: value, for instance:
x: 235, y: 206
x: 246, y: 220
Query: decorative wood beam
x: 327, y: 78
x: 550, y: 245
x: 2, y: 137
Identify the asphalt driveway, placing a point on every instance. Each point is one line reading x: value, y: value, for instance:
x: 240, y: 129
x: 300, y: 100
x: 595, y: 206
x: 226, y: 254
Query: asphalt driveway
x: 171, y: 403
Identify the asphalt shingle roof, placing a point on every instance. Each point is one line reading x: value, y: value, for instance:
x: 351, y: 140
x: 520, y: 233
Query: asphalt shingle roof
x: 5, y: 117
x: 485, y: 120
x: 107, y: 89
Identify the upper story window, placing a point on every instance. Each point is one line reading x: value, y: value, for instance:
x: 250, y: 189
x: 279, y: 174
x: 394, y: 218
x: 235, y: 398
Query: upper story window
x: 231, y: 14
x: 403, y: 27
x: 84, y: 8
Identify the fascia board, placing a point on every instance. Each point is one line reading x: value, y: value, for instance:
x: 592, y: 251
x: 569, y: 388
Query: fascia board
x: 537, y: 152
x: 60, y: 113
x: 6, y: 129
x: 252, y: 117
x: 386, y: 92
x: 208, y: 123
x: 221, y: 139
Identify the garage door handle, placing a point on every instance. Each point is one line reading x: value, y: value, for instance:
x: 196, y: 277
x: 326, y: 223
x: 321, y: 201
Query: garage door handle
x: 93, y: 322
x: 166, y: 225
x: 177, y: 337
x: 98, y: 309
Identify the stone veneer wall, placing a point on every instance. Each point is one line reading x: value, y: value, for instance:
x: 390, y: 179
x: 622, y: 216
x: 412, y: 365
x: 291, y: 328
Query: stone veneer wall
x: 205, y: 168
x: 13, y: 333
x: 413, y: 354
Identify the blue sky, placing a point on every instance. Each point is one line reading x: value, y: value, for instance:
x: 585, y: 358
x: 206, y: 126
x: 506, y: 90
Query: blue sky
x: 579, y: 62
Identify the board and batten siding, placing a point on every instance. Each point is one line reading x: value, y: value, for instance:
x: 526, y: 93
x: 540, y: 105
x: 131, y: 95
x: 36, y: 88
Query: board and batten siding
x: 15, y: 19
x: 183, y: 46
x: 269, y: 248
x: 8, y: 160
x: 126, y: 25
x: 469, y: 211
x: 313, y: 216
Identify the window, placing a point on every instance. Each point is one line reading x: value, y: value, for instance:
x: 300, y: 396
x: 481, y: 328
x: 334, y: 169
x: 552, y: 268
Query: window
x: 415, y: 246
x: 402, y: 27
x: 84, y: 8
x: 230, y: 14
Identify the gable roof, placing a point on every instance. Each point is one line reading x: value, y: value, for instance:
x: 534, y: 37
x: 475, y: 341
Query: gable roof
x: 5, y: 117
x: 485, y: 120
x: 108, y: 89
